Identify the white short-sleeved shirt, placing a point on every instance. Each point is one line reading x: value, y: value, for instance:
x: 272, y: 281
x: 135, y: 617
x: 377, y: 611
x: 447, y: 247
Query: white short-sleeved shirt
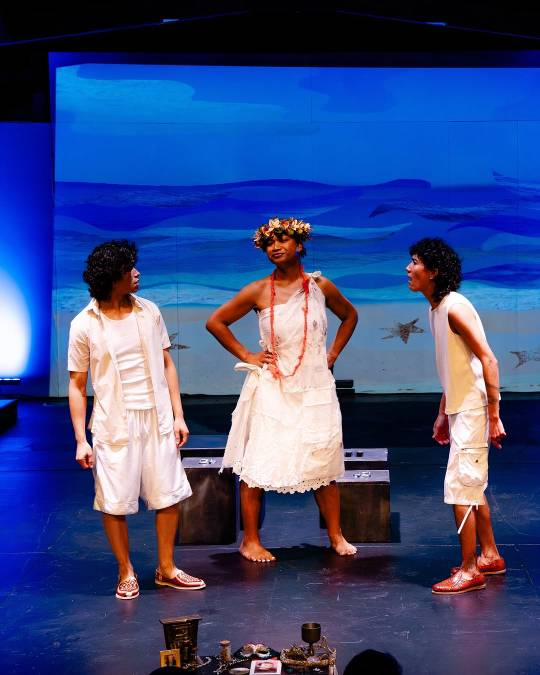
x: 90, y: 349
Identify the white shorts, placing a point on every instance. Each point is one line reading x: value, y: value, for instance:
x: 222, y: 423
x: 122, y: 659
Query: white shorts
x: 149, y: 466
x: 467, y: 471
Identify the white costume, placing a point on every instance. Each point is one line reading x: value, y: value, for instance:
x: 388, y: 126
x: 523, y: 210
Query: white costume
x: 286, y: 433
x: 135, y: 453
x: 462, y: 379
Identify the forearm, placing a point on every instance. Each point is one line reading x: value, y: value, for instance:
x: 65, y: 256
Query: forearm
x: 226, y: 338
x: 173, y: 385
x: 490, y: 370
x: 343, y: 335
x: 442, y: 405
x: 77, y: 409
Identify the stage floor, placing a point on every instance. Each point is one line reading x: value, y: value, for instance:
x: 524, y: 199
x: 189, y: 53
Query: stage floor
x: 59, y: 614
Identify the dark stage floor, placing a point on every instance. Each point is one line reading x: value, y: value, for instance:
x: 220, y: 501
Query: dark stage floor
x: 59, y: 614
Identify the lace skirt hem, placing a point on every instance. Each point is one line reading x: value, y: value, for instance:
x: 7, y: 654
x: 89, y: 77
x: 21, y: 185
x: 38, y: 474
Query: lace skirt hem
x: 303, y: 486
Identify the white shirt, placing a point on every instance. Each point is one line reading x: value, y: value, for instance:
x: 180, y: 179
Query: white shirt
x: 460, y: 370
x: 134, y: 373
x: 90, y: 348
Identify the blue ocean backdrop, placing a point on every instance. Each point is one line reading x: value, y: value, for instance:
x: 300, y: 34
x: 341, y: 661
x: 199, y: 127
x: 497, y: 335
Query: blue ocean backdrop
x: 188, y: 161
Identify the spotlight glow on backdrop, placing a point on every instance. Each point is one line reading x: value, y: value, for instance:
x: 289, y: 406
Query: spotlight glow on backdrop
x: 15, y: 333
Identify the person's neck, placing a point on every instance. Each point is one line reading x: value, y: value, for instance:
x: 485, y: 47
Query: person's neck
x: 432, y: 301
x: 288, y: 273
x: 116, y: 302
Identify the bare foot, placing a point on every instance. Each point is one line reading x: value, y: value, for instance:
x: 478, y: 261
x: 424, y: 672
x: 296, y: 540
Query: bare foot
x: 256, y: 552
x: 341, y: 546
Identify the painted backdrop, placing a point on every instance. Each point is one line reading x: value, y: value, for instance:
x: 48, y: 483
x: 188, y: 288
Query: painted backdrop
x: 188, y: 160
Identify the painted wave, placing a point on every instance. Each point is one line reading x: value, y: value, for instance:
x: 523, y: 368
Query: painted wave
x: 195, y: 241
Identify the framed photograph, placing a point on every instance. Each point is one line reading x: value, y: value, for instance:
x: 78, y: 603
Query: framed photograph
x: 169, y: 657
x: 268, y: 667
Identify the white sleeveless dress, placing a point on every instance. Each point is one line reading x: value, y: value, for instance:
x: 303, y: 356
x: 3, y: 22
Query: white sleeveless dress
x: 286, y: 433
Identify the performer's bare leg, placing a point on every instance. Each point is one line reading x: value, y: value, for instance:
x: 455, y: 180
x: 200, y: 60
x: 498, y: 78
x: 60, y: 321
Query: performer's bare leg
x: 467, y: 539
x: 251, y: 546
x: 327, y: 498
x: 484, y: 529
x: 116, y: 530
x: 166, y: 527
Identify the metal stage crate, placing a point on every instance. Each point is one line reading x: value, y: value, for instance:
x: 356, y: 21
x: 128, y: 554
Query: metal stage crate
x: 365, y: 505
x: 209, y: 516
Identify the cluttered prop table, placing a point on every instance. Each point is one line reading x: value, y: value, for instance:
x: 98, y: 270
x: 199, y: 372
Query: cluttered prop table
x: 318, y: 658
x: 265, y: 662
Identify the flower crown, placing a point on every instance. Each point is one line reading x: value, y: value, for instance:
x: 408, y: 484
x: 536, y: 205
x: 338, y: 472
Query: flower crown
x: 289, y: 226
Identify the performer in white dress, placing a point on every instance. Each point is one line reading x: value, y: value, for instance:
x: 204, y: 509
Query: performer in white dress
x: 286, y: 430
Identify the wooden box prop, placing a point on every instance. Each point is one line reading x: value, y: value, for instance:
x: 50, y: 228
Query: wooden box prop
x: 205, y: 445
x: 209, y: 516
x: 365, y: 458
x: 365, y: 505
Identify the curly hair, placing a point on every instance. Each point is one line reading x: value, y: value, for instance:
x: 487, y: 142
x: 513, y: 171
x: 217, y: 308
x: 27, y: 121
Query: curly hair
x: 439, y: 257
x: 107, y: 264
x: 265, y: 243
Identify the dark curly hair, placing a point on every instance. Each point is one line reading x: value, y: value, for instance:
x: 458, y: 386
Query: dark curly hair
x: 439, y: 257
x: 107, y: 264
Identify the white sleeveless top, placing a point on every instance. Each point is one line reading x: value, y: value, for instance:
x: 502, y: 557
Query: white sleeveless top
x: 134, y: 372
x: 460, y: 370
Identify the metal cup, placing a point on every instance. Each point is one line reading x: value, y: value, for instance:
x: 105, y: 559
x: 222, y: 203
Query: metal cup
x: 311, y: 633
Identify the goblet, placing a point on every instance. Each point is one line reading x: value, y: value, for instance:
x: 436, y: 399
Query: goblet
x: 311, y: 633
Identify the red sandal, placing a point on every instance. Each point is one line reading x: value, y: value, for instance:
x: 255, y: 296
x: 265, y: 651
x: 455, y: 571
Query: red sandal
x: 182, y: 581
x: 128, y: 589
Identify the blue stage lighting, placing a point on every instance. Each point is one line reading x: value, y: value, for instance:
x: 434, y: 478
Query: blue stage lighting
x: 16, y: 326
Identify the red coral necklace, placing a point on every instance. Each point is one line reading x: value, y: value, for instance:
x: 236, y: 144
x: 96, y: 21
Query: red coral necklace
x: 305, y: 287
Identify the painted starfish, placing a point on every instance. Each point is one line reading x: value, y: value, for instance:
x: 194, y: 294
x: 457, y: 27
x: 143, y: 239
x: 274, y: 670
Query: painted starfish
x: 524, y: 357
x: 176, y: 345
x: 403, y: 330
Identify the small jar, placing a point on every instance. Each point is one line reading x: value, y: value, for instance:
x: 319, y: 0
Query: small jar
x: 225, y: 651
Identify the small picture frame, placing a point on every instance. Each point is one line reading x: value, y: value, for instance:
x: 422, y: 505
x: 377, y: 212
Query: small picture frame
x: 266, y: 667
x: 169, y: 657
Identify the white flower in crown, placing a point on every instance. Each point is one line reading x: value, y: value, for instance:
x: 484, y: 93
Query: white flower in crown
x: 289, y: 226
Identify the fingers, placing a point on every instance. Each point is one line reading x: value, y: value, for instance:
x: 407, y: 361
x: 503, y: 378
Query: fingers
x: 86, y: 462
x: 497, y: 436
x: 181, y: 437
x: 497, y: 440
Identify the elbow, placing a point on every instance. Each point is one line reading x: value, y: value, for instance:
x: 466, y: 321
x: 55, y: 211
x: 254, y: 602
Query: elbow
x: 76, y: 389
x: 213, y: 325
x: 490, y: 361
x: 354, y: 317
